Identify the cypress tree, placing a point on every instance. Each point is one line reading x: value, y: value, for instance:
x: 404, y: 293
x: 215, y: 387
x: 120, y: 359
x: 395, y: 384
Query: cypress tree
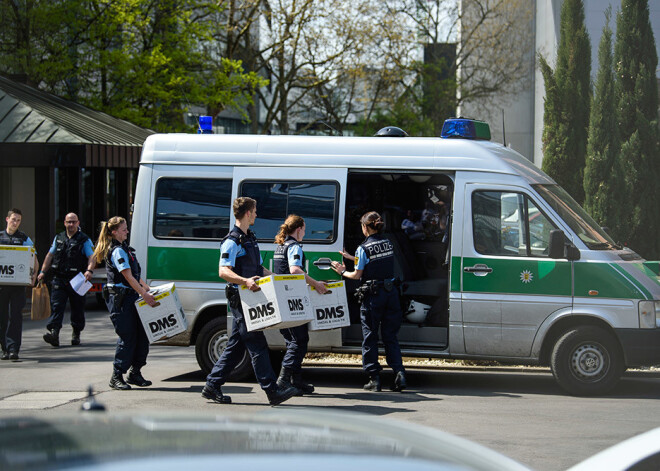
x: 568, y: 95
x: 602, y: 173
x: 635, y: 60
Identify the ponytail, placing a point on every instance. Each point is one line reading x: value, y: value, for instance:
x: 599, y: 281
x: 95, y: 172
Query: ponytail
x: 372, y: 220
x: 291, y: 223
x: 104, y: 241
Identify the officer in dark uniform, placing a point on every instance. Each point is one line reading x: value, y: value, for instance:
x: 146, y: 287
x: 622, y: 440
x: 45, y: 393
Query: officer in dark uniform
x: 123, y: 288
x: 290, y: 258
x: 380, y: 307
x: 71, y: 253
x: 12, y: 298
x: 241, y: 264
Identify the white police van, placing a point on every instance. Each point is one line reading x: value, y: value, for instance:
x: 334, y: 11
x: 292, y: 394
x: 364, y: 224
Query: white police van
x: 497, y: 261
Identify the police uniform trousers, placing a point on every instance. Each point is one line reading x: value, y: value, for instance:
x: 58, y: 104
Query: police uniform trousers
x: 12, y: 301
x: 381, y: 311
x: 61, y: 291
x: 296, y: 340
x: 240, y: 340
x: 133, y: 344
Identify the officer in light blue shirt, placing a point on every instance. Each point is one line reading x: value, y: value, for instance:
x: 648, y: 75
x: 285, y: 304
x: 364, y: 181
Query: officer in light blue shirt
x: 290, y: 259
x: 71, y: 253
x: 380, y: 308
x: 12, y: 298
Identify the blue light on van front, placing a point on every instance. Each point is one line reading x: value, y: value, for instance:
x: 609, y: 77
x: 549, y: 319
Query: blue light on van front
x: 205, y: 125
x: 463, y: 128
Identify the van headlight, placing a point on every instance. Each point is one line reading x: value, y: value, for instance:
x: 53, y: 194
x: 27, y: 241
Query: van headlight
x: 649, y: 314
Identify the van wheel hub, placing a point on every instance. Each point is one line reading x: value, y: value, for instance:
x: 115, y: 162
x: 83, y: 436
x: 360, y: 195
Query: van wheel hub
x: 217, y: 345
x: 588, y: 361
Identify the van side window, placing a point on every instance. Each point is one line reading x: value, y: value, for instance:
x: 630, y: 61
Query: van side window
x: 192, y: 208
x: 315, y: 202
x: 509, y: 224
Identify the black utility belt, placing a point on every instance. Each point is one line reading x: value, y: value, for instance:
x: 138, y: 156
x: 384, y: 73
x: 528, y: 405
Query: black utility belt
x: 109, y: 289
x: 373, y: 286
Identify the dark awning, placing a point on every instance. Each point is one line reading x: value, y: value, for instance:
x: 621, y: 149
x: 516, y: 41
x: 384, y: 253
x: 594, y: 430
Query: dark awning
x: 39, y: 129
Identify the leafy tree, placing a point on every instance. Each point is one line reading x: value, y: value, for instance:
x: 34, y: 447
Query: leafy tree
x: 635, y: 62
x: 140, y: 60
x: 467, y: 57
x: 602, y: 173
x: 566, y: 111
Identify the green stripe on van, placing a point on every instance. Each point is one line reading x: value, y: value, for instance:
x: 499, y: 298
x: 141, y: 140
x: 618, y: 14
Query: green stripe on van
x: 609, y: 280
x: 518, y: 276
x: 195, y: 264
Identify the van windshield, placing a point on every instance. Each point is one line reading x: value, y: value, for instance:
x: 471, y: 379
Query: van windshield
x: 577, y: 218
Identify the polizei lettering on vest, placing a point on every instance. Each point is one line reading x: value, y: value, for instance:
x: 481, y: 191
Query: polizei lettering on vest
x: 261, y: 310
x: 329, y: 313
x: 163, y: 323
x: 6, y: 269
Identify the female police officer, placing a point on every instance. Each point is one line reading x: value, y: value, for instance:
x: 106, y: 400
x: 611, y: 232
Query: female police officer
x: 289, y: 258
x: 374, y: 267
x: 124, y: 287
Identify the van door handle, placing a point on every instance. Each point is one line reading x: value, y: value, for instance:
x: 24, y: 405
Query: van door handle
x: 479, y: 269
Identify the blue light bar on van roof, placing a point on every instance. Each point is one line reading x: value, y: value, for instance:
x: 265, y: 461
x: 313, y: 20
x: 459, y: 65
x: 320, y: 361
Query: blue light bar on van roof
x: 205, y: 125
x: 464, y: 128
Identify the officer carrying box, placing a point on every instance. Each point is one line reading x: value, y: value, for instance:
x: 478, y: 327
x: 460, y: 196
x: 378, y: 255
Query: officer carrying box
x: 12, y: 298
x: 290, y: 258
x: 241, y: 264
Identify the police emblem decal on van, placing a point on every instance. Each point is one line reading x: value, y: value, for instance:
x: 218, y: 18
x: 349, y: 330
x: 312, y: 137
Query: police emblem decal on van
x: 526, y: 276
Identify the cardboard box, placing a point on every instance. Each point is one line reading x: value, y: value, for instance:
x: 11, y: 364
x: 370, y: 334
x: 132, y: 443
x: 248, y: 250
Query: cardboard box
x: 16, y: 264
x: 166, y: 319
x: 282, y: 301
x: 330, y: 309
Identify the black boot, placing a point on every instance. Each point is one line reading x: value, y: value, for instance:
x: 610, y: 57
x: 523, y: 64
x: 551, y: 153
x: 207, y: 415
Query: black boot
x: 400, y: 382
x: 75, y: 337
x: 117, y: 381
x: 5, y: 355
x: 135, y: 377
x: 301, y: 384
x: 280, y: 394
x: 214, y: 393
x: 374, y: 383
x: 285, y: 380
x: 53, y: 337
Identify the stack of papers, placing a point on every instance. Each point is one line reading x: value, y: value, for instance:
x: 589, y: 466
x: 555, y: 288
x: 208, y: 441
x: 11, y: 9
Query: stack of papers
x: 80, y: 284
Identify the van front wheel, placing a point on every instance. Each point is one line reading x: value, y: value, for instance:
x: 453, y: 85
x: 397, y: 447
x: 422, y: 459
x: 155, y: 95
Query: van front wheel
x: 587, y: 361
x: 211, y: 342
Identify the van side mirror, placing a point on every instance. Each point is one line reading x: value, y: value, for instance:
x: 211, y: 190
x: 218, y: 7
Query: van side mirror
x: 323, y: 263
x: 559, y: 248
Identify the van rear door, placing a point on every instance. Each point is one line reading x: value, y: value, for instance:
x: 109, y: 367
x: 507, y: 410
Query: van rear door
x: 318, y: 195
x: 509, y: 284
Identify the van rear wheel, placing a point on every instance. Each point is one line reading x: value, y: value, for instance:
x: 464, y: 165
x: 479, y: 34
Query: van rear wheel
x: 211, y: 342
x: 587, y: 361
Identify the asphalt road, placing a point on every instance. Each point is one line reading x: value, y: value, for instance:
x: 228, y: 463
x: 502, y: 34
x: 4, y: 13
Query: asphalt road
x: 522, y: 414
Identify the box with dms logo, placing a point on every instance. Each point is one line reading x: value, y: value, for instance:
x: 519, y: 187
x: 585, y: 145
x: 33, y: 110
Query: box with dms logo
x: 330, y: 309
x: 16, y: 264
x: 166, y: 319
x: 282, y: 301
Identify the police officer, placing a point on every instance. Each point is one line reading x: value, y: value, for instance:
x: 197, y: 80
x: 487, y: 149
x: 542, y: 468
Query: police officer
x: 12, y: 298
x: 380, y: 308
x: 124, y: 287
x: 241, y: 264
x: 71, y: 253
x: 290, y: 258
